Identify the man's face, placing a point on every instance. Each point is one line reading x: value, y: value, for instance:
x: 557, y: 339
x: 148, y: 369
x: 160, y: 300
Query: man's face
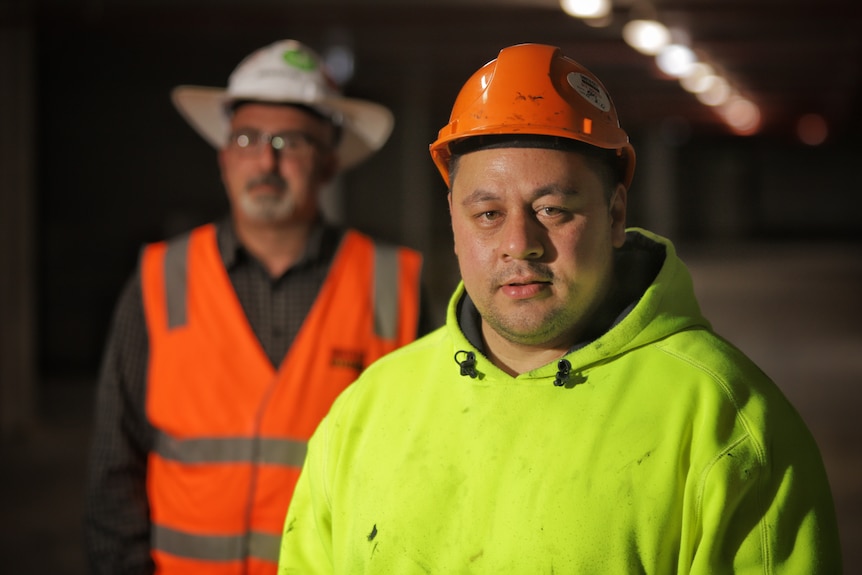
x: 265, y: 185
x: 534, y: 235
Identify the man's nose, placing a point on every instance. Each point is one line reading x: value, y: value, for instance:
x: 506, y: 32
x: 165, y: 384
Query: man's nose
x: 523, y: 237
x: 268, y: 158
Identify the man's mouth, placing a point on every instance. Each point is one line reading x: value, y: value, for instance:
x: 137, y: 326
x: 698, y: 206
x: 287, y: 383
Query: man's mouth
x: 267, y: 182
x: 526, y: 280
x: 523, y: 288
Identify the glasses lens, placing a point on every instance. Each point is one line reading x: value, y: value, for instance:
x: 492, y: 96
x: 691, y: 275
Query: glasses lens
x: 279, y: 142
x: 245, y: 139
x: 293, y: 142
x: 287, y: 143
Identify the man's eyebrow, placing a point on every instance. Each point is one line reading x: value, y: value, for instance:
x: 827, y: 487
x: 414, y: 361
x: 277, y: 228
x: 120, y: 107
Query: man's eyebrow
x: 478, y: 196
x: 483, y: 195
x: 554, y: 190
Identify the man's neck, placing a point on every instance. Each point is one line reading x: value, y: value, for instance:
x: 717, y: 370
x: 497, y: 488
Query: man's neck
x: 515, y: 358
x: 277, y: 246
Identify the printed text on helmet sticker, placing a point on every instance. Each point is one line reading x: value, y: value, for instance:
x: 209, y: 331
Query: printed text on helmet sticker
x: 590, y: 90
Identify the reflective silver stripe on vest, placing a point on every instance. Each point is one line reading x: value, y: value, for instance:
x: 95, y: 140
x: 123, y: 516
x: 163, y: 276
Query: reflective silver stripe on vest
x: 216, y: 547
x: 176, y: 269
x: 231, y: 450
x: 385, y: 290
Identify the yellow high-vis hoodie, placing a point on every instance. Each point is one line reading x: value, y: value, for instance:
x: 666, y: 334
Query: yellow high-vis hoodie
x: 665, y: 450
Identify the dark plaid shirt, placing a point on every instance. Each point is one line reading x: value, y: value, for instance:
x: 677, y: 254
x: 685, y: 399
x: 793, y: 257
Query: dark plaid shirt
x: 117, y: 514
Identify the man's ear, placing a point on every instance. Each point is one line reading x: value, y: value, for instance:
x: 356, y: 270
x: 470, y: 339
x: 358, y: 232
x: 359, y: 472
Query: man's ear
x: 328, y: 167
x: 617, y: 210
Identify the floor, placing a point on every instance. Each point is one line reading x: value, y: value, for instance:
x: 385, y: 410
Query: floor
x: 795, y: 309
x: 42, y: 485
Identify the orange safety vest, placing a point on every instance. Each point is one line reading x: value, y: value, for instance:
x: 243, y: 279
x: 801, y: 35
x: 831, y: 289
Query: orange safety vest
x: 231, y: 430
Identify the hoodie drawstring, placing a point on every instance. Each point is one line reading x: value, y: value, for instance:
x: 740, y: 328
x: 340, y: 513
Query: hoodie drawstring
x: 468, y: 367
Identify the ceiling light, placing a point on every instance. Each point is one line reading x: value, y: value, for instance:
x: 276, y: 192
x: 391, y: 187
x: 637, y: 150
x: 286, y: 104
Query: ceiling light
x: 339, y: 63
x: 742, y: 115
x: 586, y: 8
x: 646, y: 36
x: 675, y: 60
x: 698, y: 79
x: 338, y: 56
x: 717, y: 93
x: 812, y: 129
x: 599, y: 22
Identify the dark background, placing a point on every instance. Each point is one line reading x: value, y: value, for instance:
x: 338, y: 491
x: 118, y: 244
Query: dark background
x: 94, y: 162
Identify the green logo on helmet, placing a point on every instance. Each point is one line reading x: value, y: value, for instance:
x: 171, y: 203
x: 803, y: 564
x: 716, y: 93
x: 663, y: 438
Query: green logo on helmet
x: 300, y: 59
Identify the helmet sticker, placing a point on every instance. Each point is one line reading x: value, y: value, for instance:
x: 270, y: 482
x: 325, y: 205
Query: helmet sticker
x: 590, y: 90
x: 299, y: 59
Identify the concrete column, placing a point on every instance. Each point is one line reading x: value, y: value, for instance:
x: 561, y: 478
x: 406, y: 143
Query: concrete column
x: 415, y: 127
x: 17, y: 224
x: 728, y: 191
x: 656, y: 183
x: 424, y: 216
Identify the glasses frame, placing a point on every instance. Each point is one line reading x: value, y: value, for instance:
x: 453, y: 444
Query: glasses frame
x: 287, y: 143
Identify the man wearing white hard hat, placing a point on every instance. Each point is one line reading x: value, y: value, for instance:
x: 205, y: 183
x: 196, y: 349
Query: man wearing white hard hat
x: 230, y: 341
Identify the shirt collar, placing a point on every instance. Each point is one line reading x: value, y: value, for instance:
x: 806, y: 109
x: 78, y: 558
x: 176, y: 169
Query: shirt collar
x: 233, y: 252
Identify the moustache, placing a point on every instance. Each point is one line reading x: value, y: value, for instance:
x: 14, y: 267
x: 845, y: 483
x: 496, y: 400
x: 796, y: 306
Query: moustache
x: 535, y: 270
x: 272, y: 180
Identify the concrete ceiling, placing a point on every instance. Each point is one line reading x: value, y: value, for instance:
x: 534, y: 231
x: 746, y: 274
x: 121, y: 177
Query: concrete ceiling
x: 790, y: 57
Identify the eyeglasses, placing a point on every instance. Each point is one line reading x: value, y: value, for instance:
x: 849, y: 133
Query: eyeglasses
x: 249, y: 141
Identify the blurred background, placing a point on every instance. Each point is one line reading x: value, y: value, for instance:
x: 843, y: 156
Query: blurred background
x: 745, y: 115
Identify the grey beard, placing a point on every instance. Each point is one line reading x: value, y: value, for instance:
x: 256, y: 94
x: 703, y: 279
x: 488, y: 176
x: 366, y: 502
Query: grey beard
x: 266, y: 208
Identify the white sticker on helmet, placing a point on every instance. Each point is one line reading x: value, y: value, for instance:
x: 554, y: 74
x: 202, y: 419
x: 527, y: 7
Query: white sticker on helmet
x: 590, y: 90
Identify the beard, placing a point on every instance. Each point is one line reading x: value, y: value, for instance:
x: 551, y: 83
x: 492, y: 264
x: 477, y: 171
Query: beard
x: 268, y: 207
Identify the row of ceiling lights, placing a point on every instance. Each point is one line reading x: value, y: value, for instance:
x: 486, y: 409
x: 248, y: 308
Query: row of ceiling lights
x: 677, y: 60
x: 651, y: 37
x: 674, y: 58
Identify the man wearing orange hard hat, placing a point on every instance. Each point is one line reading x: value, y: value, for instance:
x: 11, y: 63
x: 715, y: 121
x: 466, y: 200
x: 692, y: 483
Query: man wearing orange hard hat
x: 576, y: 414
x: 231, y: 340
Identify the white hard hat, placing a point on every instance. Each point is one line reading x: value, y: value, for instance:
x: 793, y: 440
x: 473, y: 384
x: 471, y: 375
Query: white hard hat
x: 287, y: 72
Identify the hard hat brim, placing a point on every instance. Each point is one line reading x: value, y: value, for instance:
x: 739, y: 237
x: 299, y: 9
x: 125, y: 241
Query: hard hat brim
x: 366, y: 125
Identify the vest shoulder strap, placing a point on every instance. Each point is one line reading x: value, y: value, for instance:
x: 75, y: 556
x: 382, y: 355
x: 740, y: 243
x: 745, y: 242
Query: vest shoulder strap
x: 385, y: 290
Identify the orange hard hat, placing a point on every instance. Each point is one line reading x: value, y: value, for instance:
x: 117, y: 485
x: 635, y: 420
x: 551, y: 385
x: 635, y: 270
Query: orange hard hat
x: 533, y: 89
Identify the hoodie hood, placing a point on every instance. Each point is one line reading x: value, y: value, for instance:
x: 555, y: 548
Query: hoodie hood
x: 667, y: 306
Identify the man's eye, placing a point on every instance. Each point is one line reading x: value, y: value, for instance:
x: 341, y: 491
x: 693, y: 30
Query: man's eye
x: 549, y: 211
x: 489, y: 217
